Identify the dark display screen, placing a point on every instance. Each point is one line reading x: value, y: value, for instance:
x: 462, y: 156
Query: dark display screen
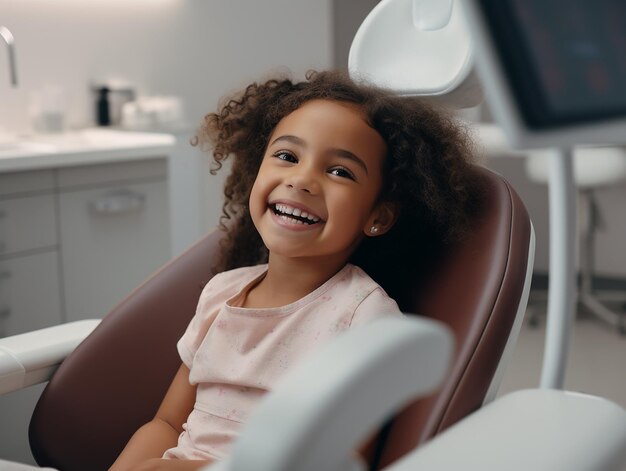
x: 565, y: 59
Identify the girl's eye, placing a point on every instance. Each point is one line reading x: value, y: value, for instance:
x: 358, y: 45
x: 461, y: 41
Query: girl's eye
x: 286, y: 156
x: 342, y: 172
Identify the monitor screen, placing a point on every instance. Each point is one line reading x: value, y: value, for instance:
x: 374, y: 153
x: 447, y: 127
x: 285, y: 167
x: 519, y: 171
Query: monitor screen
x: 565, y: 59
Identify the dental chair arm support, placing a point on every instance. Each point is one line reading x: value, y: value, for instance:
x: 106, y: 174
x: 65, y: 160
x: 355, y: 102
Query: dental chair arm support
x: 33, y: 357
x: 318, y: 415
x: 534, y: 429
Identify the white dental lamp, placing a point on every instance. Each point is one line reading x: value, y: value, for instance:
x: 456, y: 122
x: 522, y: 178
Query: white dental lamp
x: 431, y: 48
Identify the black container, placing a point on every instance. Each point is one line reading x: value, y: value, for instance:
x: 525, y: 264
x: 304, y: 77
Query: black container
x: 103, y: 114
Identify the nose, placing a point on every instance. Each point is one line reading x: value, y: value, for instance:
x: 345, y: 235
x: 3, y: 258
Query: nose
x: 303, y: 179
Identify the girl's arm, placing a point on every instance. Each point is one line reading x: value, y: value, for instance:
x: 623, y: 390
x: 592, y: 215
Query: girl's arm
x: 161, y: 433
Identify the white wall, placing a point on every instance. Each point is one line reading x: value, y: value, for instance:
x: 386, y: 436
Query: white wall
x: 197, y: 49
x: 347, y: 17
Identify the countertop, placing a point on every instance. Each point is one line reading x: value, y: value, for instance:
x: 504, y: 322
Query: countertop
x: 84, y: 147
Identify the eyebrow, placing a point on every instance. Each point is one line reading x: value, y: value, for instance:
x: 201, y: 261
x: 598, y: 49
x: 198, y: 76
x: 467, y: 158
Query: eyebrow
x: 346, y: 154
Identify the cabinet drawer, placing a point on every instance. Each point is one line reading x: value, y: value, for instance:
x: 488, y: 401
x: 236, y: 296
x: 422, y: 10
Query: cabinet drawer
x: 112, y: 240
x: 27, y: 223
x: 29, y: 293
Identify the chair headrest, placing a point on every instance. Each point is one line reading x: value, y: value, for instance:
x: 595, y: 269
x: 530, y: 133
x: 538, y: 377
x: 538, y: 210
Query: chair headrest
x: 417, y: 48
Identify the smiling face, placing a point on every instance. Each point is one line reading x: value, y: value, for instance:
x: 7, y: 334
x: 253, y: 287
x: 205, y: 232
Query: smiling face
x: 317, y: 189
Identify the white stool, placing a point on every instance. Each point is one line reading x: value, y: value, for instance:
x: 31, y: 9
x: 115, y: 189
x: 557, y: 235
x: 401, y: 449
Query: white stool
x: 593, y: 168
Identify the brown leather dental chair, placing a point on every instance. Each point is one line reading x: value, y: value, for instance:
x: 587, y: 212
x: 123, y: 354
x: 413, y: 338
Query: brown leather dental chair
x: 115, y: 380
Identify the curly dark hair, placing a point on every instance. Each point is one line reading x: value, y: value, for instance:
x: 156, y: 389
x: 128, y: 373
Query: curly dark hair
x: 429, y: 172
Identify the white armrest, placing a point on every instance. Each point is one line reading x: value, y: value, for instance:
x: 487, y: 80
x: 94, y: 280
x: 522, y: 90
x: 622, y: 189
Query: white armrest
x: 538, y: 429
x: 32, y: 358
x: 335, y: 398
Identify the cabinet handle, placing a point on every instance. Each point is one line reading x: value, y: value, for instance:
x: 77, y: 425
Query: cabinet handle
x: 118, y: 202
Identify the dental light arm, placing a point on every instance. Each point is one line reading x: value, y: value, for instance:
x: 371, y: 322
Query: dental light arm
x: 32, y: 358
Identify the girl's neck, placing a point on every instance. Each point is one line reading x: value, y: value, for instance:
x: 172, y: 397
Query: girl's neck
x: 288, y: 280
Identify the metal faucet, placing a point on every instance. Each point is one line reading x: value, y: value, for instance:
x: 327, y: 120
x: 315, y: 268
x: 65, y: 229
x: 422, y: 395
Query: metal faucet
x: 8, y: 38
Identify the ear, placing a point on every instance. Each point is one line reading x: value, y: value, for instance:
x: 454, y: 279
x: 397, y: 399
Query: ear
x: 382, y: 218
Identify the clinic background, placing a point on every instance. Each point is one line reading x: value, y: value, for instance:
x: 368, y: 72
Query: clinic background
x: 200, y: 51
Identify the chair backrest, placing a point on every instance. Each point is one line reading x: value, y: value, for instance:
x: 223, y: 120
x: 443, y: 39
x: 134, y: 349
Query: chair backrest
x: 479, y: 289
x: 114, y: 381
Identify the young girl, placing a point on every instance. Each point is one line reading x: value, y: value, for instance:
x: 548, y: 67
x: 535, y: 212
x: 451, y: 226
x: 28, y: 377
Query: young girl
x: 330, y: 180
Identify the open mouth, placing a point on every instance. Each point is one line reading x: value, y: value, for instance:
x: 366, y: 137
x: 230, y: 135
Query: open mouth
x: 294, y: 215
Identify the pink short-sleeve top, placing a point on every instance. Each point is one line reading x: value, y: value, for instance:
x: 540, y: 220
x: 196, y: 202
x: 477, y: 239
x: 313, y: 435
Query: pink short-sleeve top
x: 235, y: 355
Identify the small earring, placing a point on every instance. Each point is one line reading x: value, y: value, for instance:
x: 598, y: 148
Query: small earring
x: 374, y: 229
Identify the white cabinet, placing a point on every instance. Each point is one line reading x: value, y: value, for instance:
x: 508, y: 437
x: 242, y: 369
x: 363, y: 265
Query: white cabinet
x: 74, y: 242
x: 30, y: 296
x: 114, y: 234
x: 30, y: 293
x: 27, y: 223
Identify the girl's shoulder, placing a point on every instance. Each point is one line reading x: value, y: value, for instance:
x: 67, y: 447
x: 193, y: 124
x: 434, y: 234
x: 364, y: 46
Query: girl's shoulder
x: 356, y: 275
x: 370, y: 300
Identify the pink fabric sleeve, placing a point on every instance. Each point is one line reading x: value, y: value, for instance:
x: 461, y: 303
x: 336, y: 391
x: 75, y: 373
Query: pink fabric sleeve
x: 217, y: 291
x: 375, y: 306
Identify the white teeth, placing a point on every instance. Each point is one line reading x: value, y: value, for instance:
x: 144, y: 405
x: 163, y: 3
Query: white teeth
x: 291, y: 220
x: 290, y: 210
x: 283, y: 208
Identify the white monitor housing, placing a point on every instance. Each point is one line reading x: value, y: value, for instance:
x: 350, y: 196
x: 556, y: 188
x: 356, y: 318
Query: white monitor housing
x: 519, y: 48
